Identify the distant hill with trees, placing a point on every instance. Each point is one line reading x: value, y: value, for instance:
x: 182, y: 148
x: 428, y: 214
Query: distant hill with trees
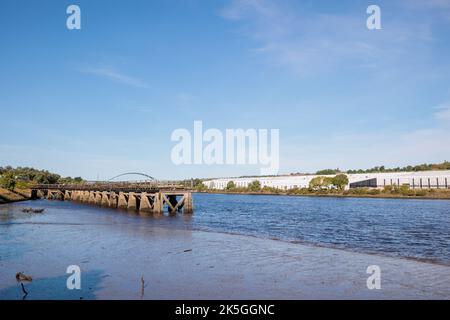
x: 421, y: 167
x: 22, y: 176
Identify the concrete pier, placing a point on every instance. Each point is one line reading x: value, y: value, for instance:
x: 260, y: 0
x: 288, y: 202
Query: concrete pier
x: 146, y: 202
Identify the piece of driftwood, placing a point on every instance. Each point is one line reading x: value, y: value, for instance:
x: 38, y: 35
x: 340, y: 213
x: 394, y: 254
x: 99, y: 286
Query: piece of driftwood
x: 31, y: 210
x: 25, y: 292
x: 142, y: 286
x: 20, y: 276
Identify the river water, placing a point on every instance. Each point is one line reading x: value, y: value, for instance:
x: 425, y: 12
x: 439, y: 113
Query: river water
x: 409, y: 228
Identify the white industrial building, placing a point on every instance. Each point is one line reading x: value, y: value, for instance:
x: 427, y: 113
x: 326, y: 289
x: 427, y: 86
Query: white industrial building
x: 415, y: 180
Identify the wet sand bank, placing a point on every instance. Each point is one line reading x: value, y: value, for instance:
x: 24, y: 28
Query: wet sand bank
x: 8, y: 196
x: 184, y: 264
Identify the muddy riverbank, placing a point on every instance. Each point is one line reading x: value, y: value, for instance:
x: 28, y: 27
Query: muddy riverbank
x: 116, y: 249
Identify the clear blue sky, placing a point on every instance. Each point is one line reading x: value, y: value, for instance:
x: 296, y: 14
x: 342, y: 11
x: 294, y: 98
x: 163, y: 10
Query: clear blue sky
x: 104, y: 99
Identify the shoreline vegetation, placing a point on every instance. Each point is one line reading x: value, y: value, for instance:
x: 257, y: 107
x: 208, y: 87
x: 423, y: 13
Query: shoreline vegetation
x: 15, y: 182
x: 430, y: 194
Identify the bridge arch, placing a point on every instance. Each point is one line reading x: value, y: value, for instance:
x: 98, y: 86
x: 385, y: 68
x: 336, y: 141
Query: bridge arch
x: 133, y: 174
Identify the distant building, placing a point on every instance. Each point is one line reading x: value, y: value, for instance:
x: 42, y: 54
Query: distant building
x: 415, y: 180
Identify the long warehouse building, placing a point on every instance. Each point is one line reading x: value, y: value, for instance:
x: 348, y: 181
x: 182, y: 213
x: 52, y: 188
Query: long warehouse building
x: 415, y: 180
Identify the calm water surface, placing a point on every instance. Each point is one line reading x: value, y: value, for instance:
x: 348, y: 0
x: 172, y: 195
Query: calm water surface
x: 408, y: 228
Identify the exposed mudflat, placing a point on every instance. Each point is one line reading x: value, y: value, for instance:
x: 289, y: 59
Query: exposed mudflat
x: 115, y: 249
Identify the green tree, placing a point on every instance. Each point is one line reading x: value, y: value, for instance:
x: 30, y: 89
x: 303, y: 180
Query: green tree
x: 327, y: 182
x: 8, y: 180
x: 255, y: 185
x: 201, y: 187
x: 316, y: 182
x: 327, y: 171
x: 231, y: 185
x: 340, y: 181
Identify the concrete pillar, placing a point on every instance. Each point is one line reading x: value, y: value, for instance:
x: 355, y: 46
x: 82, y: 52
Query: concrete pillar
x: 105, y: 199
x: 67, y: 195
x: 145, y: 205
x: 132, y: 201
x: 91, y: 197
x: 122, y: 201
x: 98, y: 198
x: 113, y: 199
x: 55, y: 195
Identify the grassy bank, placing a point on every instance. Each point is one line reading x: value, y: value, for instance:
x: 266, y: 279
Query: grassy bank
x: 395, y: 193
x: 7, y: 196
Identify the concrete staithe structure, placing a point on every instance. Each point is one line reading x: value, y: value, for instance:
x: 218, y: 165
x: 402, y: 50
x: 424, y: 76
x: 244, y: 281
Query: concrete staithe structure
x: 140, y: 198
x: 415, y: 180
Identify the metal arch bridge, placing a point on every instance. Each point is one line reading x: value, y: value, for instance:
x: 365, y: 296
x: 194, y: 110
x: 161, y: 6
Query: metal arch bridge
x: 150, y: 178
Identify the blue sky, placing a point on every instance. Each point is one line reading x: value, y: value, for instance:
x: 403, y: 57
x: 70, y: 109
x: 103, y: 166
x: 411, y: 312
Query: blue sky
x: 105, y: 99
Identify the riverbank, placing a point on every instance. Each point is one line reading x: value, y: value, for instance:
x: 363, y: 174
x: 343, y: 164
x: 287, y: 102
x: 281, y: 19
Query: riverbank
x: 438, y: 194
x: 8, y: 196
x: 115, y: 250
x: 200, y: 265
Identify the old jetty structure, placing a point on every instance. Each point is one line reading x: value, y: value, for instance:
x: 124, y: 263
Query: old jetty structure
x: 144, y: 197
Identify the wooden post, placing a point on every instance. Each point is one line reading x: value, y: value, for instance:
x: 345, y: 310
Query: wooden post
x: 158, y: 204
x: 188, y: 205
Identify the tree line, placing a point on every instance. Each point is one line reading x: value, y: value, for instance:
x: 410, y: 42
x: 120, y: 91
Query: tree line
x: 378, y: 169
x: 22, y: 176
